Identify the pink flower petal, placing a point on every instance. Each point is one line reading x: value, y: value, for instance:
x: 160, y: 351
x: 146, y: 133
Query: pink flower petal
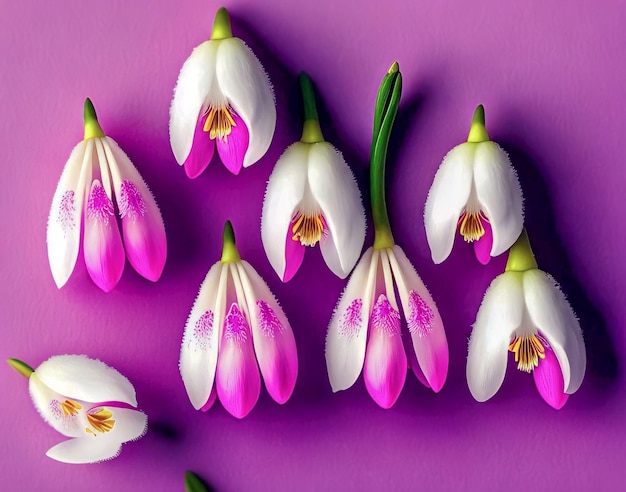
x: 232, y: 148
x: 385, y: 361
x: 294, y: 254
x: 202, y: 150
x: 549, y: 380
x: 104, y: 253
x: 412, y: 361
x: 209, y: 403
x: 237, y: 378
x: 274, y: 343
x: 482, y: 247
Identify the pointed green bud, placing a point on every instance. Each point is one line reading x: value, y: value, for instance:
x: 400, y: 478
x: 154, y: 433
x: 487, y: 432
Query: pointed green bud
x: 21, y: 367
x: 521, y: 257
x: 221, y: 25
x: 193, y: 483
x: 478, y: 132
x: 311, y: 131
x: 395, y: 67
x: 229, y: 249
x: 92, y: 127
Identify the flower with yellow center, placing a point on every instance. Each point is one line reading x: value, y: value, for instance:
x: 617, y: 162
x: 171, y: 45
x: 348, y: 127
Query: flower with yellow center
x: 223, y: 100
x: 524, y: 312
x: 88, y: 401
x: 477, y: 192
x: 312, y: 197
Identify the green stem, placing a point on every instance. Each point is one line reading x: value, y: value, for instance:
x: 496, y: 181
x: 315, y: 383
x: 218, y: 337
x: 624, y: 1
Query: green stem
x: 193, y: 483
x: 521, y: 257
x: 221, y: 25
x: 387, y: 103
x: 478, y: 132
x: 92, y: 127
x: 311, y: 131
x: 230, y: 254
x: 21, y: 367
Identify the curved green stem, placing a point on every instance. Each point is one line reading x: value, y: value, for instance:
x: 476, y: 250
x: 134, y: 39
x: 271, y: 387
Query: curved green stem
x: 478, y: 132
x: 193, y: 483
x: 221, y: 25
x: 21, y: 367
x: 230, y: 254
x: 387, y: 103
x: 311, y: 131
x: 92, y: 127
x: 521, y: 257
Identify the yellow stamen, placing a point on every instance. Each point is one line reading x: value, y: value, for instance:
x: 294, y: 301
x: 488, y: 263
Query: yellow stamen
x: 528, y: 349
x: 472, y: 228
x: 219, y: 122
x: 89, y: 431
x: 101, y: 420
x: 308, y: 229
x: 70, y: 407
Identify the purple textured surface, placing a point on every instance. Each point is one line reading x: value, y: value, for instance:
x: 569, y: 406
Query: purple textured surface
x: 551, y: 76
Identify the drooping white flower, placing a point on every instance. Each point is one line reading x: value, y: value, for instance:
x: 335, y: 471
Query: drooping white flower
x: 312, y: 197
x: 99, y: 182
x: 477, y: 191
x: 223, y: 98
x: 525, y: 312
x: 88, y: 401
x: 235, y: 328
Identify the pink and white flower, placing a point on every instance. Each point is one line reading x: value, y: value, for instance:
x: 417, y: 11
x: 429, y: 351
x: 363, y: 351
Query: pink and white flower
x: 366, y: 330
x: 312, y: 197
x: 476, y: 191
x: 223, y: 99
x: 525, y: 312
x: 88, y: 401
x: 98, y: 183
x: 236, y: 328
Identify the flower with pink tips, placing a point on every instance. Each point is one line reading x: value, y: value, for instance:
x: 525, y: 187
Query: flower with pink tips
x: 366, y: 330
x: 98, y: 183
x: 223, y: 100
x: 476, y: 192
x: 525, y: 312
x: 236, y: 329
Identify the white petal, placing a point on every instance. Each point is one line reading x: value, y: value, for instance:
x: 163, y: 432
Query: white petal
x: 129, y: 425
x: 194, y: 83
x: 500, y: 314
x: 81, y: 378
x: 553, y: 316
x: 499, y: 194
x: 198, y: 354
x: 48, y: 404
x: 274, y: 343
x: 447, y: 198
x: 425, y: 323
x: 347, y: 331
x: 335, y: 189
x: 245, y: 84
x: 285, y: 189
x: 64, y: 221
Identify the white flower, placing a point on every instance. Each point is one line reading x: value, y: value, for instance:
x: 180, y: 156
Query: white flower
x: 312, y: 197
x: 525, y: 312
x: 235, y: 328
x: 88, y: 401
x: 222, y: 99
x: 476, y: 190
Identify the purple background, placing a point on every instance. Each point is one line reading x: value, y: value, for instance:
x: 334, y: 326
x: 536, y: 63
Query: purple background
x: 551, y: 76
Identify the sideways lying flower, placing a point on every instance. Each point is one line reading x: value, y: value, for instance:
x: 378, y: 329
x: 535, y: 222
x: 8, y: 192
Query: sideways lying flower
x: 312, y: 197
x: 525, y: 312
x: 235, y: 322
x: 365, y: 331
x: 222, y: 99
x: 88, y: 401
x: 97, y: 174
x: 475, y: 190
